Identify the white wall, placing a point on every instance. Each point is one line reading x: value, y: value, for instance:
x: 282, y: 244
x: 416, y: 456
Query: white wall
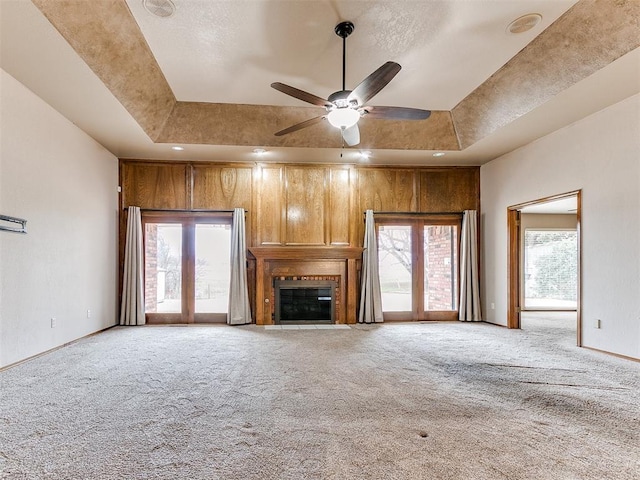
x: 64, y: 184
x: 600, y: 155
x: 541, y: 220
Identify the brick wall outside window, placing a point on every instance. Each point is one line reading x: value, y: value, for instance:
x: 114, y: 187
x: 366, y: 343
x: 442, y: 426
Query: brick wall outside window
x: 440, y: 268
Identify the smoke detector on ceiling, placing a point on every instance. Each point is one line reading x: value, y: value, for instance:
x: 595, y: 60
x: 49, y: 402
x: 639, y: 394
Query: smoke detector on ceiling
x: 524, y: 23
x: 159, y: 8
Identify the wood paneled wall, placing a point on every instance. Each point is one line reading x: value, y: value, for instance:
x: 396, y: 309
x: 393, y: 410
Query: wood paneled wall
x: 154, y: 185
x: 296, y: 204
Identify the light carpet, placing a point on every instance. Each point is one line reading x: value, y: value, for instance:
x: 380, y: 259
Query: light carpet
x: 393, y: 401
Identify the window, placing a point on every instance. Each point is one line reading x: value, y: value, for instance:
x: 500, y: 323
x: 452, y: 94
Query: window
x: 187, y: 268
x: 418, y: 260
x: 163, y: 268
x: 395, y: 255
x: 550, y: 269
x: 440, y: 247
x: 212, y: 267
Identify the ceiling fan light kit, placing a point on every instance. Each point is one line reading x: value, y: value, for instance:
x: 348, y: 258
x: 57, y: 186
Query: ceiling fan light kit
x: 346, y: 107
x: 344, y: 117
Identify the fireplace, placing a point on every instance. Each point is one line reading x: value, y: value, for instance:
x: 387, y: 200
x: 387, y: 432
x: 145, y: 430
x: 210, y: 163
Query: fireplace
x: 276, y: 264
x: 304, y: 301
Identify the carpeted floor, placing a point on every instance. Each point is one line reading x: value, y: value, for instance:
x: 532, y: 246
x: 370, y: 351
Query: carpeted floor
x: 397, y: 401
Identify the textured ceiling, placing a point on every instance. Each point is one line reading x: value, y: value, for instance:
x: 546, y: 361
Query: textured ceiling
x: 201, y: 77
x: 237, y: 49
x: 563, y: 206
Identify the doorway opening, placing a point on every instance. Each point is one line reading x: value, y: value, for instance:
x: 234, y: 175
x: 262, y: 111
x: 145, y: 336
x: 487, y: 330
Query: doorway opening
x: 544, y: 260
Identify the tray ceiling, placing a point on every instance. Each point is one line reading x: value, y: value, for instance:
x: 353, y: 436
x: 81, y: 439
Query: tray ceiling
x: 200, y: 78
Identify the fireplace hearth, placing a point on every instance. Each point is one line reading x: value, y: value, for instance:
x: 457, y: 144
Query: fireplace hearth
x: 304, y: 301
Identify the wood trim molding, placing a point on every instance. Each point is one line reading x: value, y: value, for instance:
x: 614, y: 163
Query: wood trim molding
x: 513, y: 268
x: 579, y: 293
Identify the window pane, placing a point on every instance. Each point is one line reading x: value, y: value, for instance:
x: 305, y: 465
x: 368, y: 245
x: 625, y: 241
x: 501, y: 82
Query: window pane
x: 550, y: 268
x: 163, y: 268
x: 394, y: 252
x: 213, y: 268
x: 440, y: 267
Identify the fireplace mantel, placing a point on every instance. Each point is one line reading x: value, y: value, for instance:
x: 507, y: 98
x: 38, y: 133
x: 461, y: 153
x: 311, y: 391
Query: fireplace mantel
x: 301, y: 253
x: 290, y: 261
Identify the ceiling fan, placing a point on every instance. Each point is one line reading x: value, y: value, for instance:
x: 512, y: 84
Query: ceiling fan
x: 346, y: 107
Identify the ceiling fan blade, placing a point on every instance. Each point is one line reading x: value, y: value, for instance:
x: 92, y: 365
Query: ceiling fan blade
x: 351, y: 135
x: 301, y: 95
x: 374, y: 83
x: 397, y: 113
x: 300, y: 126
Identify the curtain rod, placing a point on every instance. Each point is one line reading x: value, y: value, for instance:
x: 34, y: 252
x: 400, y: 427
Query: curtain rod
x: 163, y: 210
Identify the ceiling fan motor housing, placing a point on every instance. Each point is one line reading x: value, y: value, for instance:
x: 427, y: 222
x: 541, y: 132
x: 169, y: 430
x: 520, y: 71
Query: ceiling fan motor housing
x: 339, y: 99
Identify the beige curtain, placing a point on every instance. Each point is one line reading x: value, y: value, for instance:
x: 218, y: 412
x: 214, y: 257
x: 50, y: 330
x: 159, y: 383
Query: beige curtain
x: 469, y: 284
x: 239, y: 311
x: 370, y: 296
x: 132, y: 308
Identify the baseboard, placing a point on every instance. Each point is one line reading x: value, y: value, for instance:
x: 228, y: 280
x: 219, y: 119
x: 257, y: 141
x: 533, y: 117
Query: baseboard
x: 624, y: 357
x: 19, y: 362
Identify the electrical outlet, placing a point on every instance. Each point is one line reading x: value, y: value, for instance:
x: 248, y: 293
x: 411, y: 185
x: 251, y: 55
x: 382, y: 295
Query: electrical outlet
x: 598, y: 323
x: 53, y: 322
x: 88, y: 313
x: 493, y: 306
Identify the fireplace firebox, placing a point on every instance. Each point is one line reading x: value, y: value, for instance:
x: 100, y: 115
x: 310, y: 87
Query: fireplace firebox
x: 304, y: 301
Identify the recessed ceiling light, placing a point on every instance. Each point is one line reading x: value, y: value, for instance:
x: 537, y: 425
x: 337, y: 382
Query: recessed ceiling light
x: 524, y: 23
x: 177, y: 148
x: 365, y: 155
x: 439, y: 154
x: 159, y: 8
x: 259, y: 151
